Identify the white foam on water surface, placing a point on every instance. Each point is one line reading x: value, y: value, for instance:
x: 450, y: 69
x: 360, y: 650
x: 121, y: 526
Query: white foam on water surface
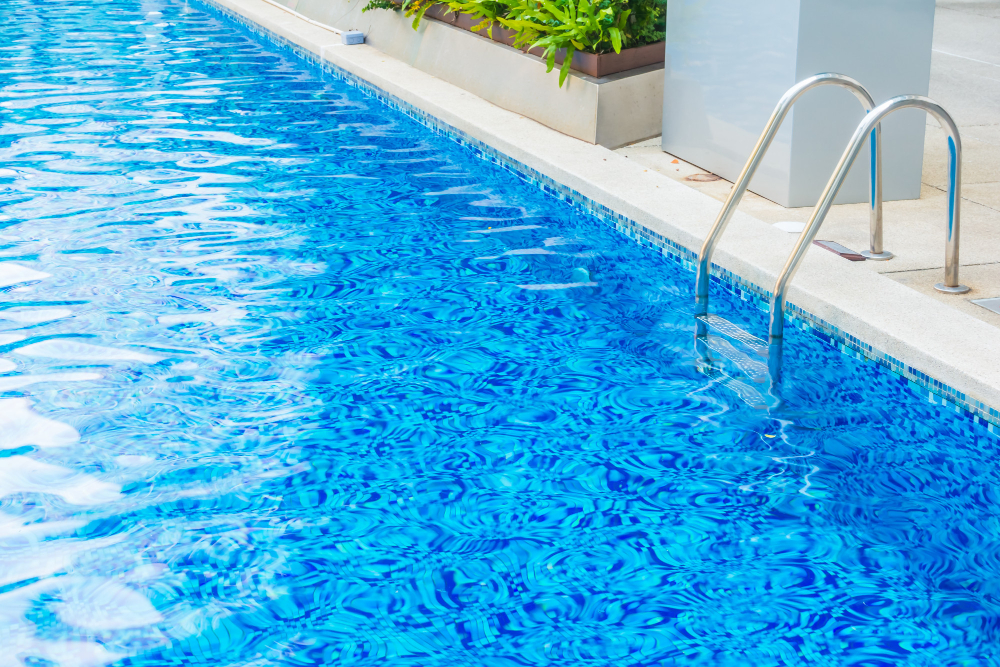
x: 34, y: 315
x: 15, y: 128
x: 149, y: 135
x: 144, y: 572
x: 70, y: 349
x: 35, y: 559
x: 21, y: 426
x: 12, y: 273
x: 6, y: 365
x: 549, y: 286
x: 21, y: 474
x: 470, y: 189
x: 7, y: 339
x: 20, y: 381
x: 529, y: 251
x: 133, y: 460
x: 21, y: 636
x: 105, y: 604
x: 224, y: 316
x: 61, y: 653
x: 521, y: 251
x: 500, y: 230
x: 13, y: 528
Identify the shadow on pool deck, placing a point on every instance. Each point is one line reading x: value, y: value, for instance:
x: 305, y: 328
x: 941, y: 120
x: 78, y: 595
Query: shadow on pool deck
x: 965, y: 79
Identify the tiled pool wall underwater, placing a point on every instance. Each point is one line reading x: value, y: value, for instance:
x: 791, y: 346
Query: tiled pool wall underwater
x: 935, y: 391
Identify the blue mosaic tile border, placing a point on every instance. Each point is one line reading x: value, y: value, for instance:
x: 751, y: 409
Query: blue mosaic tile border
x: 937, y: 392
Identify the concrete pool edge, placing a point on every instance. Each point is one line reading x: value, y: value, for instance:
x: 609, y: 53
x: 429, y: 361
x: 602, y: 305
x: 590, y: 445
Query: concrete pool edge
x: 947, y: 355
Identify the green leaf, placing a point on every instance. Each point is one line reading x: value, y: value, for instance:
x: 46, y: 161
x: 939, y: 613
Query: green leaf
x: 561, y: 16
x: 616, y: 39
x: 623, y: 18
x: 567, y: 60
x: 416, y: 20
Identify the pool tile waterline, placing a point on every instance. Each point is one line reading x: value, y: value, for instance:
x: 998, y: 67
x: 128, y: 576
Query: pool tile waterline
x: 937, y: 392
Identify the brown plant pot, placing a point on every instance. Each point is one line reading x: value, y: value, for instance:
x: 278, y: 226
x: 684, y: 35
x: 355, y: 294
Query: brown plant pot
x: 466, y: 22
x: 596, y: 65
x: 599, y: 65
x: 503, y: 35
x: 441, y: 13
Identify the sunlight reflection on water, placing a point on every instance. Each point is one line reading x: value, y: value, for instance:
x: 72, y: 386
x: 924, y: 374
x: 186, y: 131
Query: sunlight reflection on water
x: 286, y: 378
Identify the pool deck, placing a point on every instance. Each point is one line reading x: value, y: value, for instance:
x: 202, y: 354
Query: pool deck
x: 965, y: 79
x: 941, y: 347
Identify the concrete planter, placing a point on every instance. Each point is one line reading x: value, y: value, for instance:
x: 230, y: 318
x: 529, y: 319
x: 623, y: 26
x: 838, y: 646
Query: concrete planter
x: 728, y: 62
x: 611, y: 110
x: 592, y: 64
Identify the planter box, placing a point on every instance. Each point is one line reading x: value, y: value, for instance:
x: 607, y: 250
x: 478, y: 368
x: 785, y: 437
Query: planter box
x: 592, y: 64
x: 611, y: 110
x: 604, y: 64
x: 729, y: 61
x: 439, y: 13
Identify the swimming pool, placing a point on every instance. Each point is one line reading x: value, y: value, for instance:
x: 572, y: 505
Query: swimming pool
x: 288, y: 378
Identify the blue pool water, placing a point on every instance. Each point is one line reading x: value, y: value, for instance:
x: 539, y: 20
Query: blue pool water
x: 286, y: 378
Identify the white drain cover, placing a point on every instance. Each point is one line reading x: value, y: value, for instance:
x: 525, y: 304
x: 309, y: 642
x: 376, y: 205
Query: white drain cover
x: 791, y: 227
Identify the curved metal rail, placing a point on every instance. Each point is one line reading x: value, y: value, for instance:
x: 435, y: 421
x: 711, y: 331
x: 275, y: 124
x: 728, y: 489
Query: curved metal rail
x: 743, y: 181
x: 950, y: 284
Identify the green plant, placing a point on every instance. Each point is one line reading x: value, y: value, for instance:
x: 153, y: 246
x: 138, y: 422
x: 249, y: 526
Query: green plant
x: 490, y: 11
x: 569, y: 25
x: 414, y: 8
x: 648, y: 22
x: 592, y: 26
x: 417, y: 9
x: 380, y: 4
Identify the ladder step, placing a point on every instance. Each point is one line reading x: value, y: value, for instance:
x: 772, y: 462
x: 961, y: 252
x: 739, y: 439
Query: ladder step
x: 746, y: 393
x: 730, y: 330
x: 748, y: 365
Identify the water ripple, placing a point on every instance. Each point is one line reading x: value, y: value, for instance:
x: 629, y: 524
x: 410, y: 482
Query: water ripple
x: 286, y: 378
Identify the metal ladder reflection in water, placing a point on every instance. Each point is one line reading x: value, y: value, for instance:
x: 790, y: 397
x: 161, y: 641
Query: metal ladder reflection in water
x: 704, y: 343
x: 747, y: 353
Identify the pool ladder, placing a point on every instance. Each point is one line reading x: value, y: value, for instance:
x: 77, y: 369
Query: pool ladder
x: 868, y: 130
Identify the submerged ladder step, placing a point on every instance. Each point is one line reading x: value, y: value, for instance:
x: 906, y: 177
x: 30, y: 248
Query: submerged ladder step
x: 746, y: 393
x: 733, y: 331
x: 752, y: 368
x: 739, y: 349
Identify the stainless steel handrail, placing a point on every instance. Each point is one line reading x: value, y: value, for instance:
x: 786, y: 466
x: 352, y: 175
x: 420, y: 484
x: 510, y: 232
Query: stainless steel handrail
x: 743, y: 181
x: 950, y: 284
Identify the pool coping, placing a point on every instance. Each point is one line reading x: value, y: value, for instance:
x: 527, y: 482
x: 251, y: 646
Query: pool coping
x: 949, y: 357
